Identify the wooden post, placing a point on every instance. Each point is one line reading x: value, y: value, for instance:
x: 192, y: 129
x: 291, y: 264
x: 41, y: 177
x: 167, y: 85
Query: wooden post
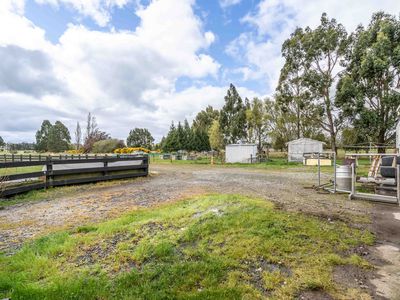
x: 49, y: 171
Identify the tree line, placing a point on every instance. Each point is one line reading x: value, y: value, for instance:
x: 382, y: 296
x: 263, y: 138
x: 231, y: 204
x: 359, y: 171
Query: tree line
x: 334, y: 86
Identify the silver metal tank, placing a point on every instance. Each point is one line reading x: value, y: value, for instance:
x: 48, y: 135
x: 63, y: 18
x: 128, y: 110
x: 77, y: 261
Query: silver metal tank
x: 343, y: 178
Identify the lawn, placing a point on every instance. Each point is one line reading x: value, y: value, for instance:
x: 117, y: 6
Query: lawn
x: 207, y: 247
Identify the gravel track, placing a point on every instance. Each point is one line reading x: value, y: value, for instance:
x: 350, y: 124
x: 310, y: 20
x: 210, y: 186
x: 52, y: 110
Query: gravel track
x: 289, y: 189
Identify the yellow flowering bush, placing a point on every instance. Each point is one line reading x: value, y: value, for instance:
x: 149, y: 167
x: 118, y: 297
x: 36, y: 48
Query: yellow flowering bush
x: 128, y: 150
x: 75, y: 151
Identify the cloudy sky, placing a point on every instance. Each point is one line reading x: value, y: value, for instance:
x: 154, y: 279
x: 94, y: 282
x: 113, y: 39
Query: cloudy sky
x: 143, y: 63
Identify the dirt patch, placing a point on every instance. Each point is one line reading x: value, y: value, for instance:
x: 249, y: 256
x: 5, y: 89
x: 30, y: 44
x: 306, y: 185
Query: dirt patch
x: 350, y: 276
x: 256, y: 269
x: 314, y: 295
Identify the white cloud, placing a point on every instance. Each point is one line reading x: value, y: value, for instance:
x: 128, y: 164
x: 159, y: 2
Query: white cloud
x: 126, y: 78
x: 98, y: 10
x: 275, y: 20
x: 227, y: 3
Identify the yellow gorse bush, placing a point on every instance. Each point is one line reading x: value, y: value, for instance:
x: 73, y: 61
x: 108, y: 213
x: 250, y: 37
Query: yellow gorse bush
x: 128, y: 150
x: 75, y: 151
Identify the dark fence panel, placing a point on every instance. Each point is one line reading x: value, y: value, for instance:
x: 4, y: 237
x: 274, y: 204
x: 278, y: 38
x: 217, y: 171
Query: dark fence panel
x: 51, y: 176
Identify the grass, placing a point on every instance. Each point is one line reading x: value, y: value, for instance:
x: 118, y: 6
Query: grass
x: 208, y: 247
x: 20, y: 170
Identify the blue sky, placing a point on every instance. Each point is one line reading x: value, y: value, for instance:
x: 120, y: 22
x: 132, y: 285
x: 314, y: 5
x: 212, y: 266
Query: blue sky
x: 144, y: 63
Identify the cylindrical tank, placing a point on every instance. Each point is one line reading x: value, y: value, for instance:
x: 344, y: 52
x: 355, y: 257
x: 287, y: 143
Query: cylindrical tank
x: 343, y: 178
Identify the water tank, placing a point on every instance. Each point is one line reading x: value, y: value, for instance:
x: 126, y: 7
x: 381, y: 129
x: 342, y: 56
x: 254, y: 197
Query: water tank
x: 343, y: 178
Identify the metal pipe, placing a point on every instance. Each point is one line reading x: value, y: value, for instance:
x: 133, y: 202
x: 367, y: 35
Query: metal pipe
x: 334, y: 172
x: 353, y: 180
x: 373, y: 197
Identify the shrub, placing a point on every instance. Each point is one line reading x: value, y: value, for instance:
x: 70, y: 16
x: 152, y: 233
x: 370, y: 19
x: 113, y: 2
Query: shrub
x: 128, y: 150
x: 107, y: 146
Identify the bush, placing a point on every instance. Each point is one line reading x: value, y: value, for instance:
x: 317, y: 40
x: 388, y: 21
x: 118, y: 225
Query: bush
x: 107, y: 146
x: 128, y: 150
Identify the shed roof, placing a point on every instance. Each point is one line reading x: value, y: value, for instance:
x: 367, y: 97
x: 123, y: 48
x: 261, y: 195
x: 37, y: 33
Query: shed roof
x: 303, y: 141
x: 242, y: 145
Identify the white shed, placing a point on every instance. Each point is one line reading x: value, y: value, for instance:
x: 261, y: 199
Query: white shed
x: 240, y: 153
x: 297, y: 148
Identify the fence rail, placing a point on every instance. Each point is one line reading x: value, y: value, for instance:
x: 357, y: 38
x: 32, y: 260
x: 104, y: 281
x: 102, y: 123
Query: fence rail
x: 66, y: 170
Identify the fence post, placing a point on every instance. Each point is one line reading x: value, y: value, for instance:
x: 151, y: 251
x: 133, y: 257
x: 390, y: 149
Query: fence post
x: 147, y: 164
x: 49, y: 171
x: 105, y: 165
x: 398, y: 184
x: 319, y: 170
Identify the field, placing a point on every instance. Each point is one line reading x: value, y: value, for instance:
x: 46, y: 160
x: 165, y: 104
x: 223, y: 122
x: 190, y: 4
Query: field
x: 195, y: 231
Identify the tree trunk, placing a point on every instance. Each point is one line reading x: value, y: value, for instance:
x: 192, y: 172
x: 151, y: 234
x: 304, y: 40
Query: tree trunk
x: 381, y: 141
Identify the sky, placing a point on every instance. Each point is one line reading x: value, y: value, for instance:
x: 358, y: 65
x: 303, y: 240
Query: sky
x: 145, y: 63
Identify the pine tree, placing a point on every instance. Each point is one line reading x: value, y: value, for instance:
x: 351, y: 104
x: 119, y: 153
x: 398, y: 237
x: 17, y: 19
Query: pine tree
x: 233, y: 117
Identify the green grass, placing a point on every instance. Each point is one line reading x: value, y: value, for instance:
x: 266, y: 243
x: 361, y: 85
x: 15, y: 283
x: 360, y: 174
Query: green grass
x: 20, y: 170
x: 208, y: 247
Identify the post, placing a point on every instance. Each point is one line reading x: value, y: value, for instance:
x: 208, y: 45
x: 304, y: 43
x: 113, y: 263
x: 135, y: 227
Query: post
x: 353, y: 179
x: 334, y: 172
x: 49, y: 170
x: 105, y: 166
x: 319, y: 170
x: 398, y: 184
x: 251, y: 158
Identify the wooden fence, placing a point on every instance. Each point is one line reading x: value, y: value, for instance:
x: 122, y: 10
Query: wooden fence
x: 66, y: 170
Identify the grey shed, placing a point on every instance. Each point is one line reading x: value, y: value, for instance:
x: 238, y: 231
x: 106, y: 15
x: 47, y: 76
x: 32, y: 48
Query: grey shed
x: 297, y: 148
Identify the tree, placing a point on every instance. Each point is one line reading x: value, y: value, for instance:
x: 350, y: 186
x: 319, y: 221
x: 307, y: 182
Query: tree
x: 281, y: 128
x: 180, y: 137
x: 256, y: 116
x: 78, y: 136
x: 59, y: 138
x: 42, y: 136
x: 293, y: 95
x: 170, y: 143
x: 368, y: 92
x: 107, y: 146
x: 200, y: 141
x: 2, y: 143
x: 215, y: 136
x: 93, y: 134
x: 232, y: 119
x: 140, y: 137
x: 205, y: 118
x: 319, y: 53
x: 188, y: 133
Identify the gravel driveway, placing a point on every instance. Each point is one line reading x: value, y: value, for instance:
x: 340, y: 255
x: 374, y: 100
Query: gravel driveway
x: 168, y: 183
